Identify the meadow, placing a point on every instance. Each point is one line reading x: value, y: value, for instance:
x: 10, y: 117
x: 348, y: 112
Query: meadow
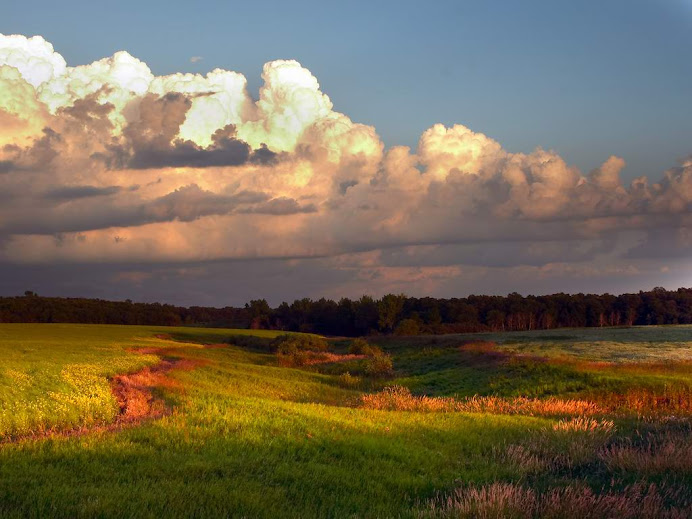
x: 560, y: 423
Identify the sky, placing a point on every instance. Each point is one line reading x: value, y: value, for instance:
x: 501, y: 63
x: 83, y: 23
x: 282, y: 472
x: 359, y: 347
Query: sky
x: 213, y: 154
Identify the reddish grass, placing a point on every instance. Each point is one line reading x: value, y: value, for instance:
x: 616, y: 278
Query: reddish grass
x: 326, y: 358
x: 584, y: 424
x: 643, y: 401
x: 670, y: 454
x: 133, y: 391
x: 511, y: 501
x: 398, y: 398
x: 311, y: 358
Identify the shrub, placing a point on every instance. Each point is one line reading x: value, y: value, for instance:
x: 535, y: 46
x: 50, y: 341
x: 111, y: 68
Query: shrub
x: 379, y: 365
x: 289, y: 343
x: 407, y: 327
x: 294, y: 358
x: 361, y: 347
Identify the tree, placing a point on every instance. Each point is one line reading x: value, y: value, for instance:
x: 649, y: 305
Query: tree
x: 365, y: 315
x: 496, y: 320
x: 407, y: 327
x: 389, y: 309
x: 259, y: 312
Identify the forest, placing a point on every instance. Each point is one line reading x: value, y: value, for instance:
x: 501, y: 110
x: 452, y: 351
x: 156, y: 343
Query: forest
x: 391, y: 314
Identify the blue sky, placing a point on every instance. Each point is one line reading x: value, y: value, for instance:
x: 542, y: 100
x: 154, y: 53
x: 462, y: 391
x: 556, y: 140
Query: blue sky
x: 138, y: 210
x: 588, y: 79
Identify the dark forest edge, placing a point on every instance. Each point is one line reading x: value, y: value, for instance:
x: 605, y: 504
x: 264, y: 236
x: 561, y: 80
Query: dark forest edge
x: 391, y: 314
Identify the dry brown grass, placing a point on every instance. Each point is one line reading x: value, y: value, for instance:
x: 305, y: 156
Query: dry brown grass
x: 639, y: 402
x: 311, y: 358
x: 563, y: 445
x: 398, y: 398
x: 525, y: 460
x: 529, y: 406
x: 511, y: 501
x: 584, y: 424
x: 670, y: 454
x: 643, y: 401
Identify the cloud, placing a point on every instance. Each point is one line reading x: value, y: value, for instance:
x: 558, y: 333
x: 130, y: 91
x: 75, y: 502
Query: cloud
x: 108, y: 162
x: 281, y: 206
x: 6, y: 166
x: 154, y: 143
x: 34, y: 58
x: 76, y: 192
x: 196, y: 59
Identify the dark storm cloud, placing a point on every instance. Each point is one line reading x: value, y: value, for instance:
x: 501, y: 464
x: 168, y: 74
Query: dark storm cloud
x: 6, y: 166
x: 280, y: 206
x: 185, y: 204
x: 67, y: 193
x: 39, y: 155
x: 179, y: 154
x: 496, y: 254
x: 663, y: 244
x: 151, y: 141
x: 236, y: 282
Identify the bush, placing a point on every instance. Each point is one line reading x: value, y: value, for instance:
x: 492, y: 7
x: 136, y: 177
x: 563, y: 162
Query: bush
x: 348, y: 381
x: 361, y: 347
x: 407, y: 327
x: 290, y: 343
x: 293, y: 359
x: 379, y: 365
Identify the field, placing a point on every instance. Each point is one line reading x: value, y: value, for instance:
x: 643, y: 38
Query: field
x: 114, y: 421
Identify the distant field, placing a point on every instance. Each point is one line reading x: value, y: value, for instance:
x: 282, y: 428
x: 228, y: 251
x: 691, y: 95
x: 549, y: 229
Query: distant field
x: 633, y: 344
x: 625, y: 344
x: 518, y: 425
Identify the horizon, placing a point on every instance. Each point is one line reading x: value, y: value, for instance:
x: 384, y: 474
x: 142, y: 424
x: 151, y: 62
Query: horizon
x: 274, y: 306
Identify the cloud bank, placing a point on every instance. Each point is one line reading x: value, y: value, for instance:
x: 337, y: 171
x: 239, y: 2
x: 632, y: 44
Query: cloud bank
x: 106, y: 162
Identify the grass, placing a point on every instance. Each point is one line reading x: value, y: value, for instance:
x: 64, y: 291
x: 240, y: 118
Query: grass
x: 470, y: 431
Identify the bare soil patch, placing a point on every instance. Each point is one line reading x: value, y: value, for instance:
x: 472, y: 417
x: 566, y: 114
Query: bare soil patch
x: 135, y: 394
x: 134, y: 391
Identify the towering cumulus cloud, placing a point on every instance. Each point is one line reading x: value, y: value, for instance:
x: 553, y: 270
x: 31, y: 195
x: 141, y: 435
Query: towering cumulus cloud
x: 107, y: 162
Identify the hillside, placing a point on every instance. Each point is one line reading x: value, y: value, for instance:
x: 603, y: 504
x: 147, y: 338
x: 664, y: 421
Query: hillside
x: 245, y: 424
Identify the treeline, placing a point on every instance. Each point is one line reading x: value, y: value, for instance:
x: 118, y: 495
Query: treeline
x: 403, y: 315
x: 32, y: 308
x: 396, y: 314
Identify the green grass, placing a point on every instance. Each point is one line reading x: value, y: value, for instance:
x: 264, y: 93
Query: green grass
x: 248, y: 438
x: 626, y: 344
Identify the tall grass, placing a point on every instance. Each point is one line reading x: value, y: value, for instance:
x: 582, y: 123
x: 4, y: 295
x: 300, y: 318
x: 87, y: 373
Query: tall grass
x: 399, y: 398
x: 659, y: 454
x: 512, y: 501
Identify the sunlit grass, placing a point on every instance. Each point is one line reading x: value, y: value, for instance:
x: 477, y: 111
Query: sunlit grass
x: 249, y: 438
x: 55, y: 377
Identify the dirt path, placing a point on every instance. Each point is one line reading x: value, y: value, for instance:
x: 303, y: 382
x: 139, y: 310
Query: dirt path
x: 135, y: 394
